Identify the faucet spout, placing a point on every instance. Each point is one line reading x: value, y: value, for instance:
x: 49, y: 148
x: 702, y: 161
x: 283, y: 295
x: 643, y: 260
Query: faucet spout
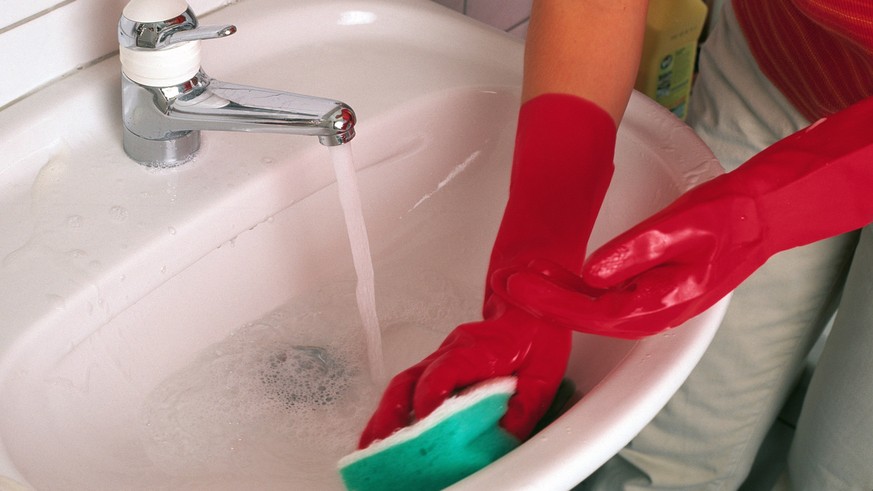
x: 162, y: 124
x: 225, y: 106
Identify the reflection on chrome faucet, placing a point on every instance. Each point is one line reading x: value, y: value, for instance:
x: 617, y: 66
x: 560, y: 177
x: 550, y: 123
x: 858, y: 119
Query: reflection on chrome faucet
x: 167, y: 99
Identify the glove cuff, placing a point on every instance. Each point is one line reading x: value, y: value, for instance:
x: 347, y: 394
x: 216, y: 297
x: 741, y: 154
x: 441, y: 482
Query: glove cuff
x: 561, y: 170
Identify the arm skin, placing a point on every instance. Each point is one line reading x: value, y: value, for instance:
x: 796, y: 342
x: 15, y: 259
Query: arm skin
x: 587, y: 48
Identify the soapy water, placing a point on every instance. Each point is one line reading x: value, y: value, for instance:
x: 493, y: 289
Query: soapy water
x: 282, y: 399
x: 304, y: 377
x: 266, y: 398
x: 278, y: 402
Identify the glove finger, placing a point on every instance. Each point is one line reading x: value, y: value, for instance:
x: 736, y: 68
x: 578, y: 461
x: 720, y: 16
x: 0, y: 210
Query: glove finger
x: 395, y: 408
x: 648, y: 304
x: 548, y: 300
x: 562, y: 277
x: 656, y: 242
x: 528, y: 405
x: 458, y: 369
x: 537, y: 382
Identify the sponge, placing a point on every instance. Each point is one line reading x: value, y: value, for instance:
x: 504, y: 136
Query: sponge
x: 457, y: 439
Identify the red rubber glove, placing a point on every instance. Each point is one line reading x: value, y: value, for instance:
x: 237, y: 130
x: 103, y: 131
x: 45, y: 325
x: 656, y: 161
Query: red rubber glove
x: 809, y: 186
x: 561, y: 169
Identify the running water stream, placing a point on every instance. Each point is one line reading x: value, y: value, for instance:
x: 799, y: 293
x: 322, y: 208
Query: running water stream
x: 350, y: 200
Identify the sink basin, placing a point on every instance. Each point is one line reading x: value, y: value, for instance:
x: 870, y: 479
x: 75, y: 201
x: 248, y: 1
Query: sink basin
x: 195, y: 328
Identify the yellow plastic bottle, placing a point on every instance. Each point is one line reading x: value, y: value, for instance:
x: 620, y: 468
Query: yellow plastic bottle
x: 673, y: 28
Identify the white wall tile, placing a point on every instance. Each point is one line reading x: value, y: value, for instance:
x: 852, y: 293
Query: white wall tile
x: 56, y: 43
x: 520, y: 30
x: 502, y: 14
x: 63, y: 36
x: 12, y: 11
x: 509, y: 15
x: 452, y: 4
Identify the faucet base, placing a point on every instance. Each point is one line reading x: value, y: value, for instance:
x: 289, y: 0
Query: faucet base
x: 161, y: 153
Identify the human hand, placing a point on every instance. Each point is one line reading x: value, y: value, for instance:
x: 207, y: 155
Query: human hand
x: 659, y: 274
x: 509, y: 343
x: 561, y: 169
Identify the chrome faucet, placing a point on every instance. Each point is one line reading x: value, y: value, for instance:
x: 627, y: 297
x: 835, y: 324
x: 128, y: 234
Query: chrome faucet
x: 167, y: 99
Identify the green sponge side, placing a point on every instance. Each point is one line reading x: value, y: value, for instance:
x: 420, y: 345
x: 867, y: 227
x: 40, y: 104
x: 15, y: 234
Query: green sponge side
x: 459, y: 438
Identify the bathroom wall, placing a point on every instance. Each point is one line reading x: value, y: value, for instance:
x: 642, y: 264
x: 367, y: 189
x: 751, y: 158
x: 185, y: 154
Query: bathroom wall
x: 512, y: 15
x: 508, y: 15
x: 41, y: 40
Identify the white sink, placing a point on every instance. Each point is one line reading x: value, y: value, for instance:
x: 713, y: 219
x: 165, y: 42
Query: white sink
x: 149, y: 320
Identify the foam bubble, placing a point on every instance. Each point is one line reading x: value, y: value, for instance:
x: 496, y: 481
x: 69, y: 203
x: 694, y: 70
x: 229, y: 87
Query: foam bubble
x: 286, y: 396
x: 304, y: 377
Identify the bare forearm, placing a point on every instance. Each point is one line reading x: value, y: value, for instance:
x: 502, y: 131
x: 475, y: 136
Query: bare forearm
x: 588, y: 48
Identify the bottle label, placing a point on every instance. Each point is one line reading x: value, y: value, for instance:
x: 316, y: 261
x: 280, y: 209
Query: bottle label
x: 674, y: 80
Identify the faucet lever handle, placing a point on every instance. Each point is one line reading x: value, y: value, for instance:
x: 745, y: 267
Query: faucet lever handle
x: 200, y: 33
x: 163, y: 34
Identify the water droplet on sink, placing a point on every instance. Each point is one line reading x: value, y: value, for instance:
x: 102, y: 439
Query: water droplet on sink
x: 172, y: 230
x: 77, y: 253
x: 267, y: 160
x: 55, y: 301
x: 118, y: 213
x: 74, y: 221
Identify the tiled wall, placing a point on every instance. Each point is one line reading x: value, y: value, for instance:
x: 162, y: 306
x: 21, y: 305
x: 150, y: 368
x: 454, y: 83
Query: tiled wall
x: 509, y: 15
x: 42, y: 40
x: 512, y: 15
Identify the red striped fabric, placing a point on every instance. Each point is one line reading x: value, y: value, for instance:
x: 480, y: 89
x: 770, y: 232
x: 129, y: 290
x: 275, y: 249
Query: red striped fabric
x: 818, y: 53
